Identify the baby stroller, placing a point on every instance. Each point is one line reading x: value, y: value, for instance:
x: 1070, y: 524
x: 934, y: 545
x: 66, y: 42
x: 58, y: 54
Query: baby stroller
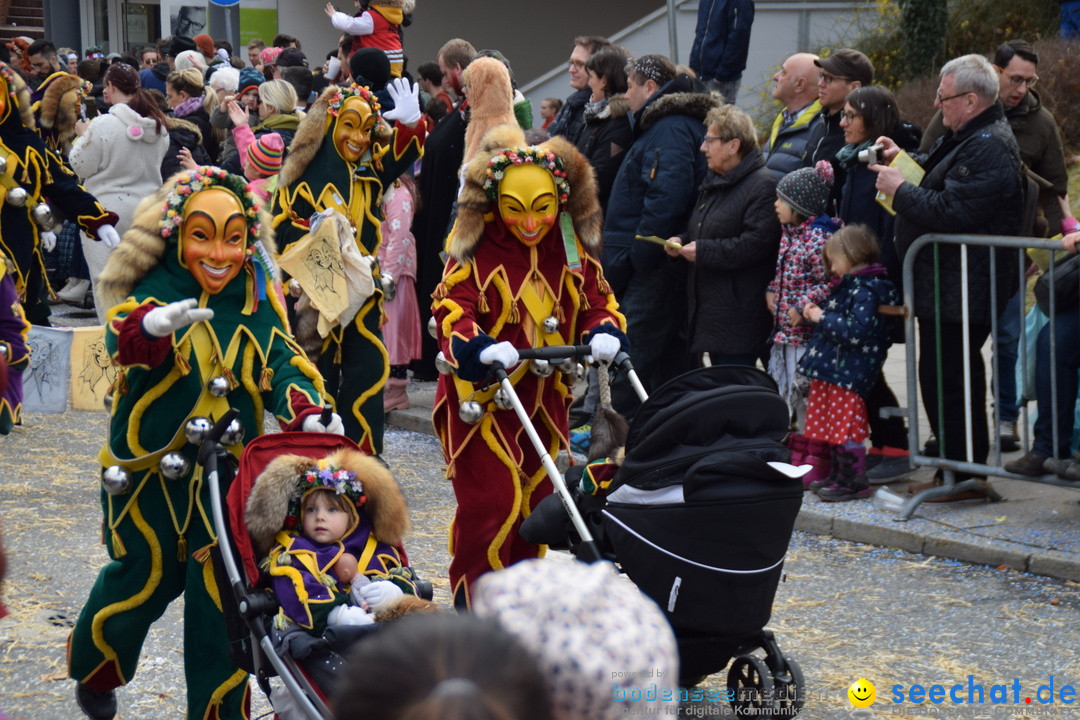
x: 306, y: 665
x: 699, y: 516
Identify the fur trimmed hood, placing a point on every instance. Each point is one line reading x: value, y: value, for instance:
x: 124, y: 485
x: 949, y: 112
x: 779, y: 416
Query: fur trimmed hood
x: 696, y: 105
x: 474, y: 205
x: 175, y: 123
x: 274, y: 489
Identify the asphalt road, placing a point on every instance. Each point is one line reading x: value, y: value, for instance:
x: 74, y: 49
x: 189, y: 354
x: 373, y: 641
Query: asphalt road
x: 844, y: 611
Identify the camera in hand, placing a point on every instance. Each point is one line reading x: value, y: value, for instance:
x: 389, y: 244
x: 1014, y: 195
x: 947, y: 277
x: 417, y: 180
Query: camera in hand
x: 872, y: 155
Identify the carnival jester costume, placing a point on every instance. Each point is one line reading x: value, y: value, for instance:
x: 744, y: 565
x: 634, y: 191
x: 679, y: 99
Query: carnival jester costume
x: 197, y: 326
x: 521, y: 274
x: 30, y: 174
x: 16, y: 354
x: 342, y: 158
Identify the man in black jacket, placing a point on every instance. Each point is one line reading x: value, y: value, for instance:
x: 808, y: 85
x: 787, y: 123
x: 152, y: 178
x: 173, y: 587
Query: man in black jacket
x: 571, y: 117
x: 973, y: 184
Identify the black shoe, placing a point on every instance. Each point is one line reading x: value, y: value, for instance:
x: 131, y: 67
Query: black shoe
x: 932, y: 447
x: 96, y: 705
x: 1030, y: 465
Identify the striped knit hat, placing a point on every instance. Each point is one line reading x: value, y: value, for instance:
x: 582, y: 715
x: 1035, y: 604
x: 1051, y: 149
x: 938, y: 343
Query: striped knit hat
x: 266, y: 152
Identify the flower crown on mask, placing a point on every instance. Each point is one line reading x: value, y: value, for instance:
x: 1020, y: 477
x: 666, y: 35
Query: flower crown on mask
x: 324, y: 476
x: 204, y: 178
x: 509, y: 157
x: 342, y: 94
x: 9, y: 77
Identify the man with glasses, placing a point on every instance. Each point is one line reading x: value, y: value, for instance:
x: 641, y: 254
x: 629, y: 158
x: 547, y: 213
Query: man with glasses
x: 571, y: 116
x: 1037, y: 134
x: 973, y: 184
x: 841, y: 72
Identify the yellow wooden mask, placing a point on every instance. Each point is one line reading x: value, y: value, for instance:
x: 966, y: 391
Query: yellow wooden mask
x: 213, y: 238
x: 528, y: 202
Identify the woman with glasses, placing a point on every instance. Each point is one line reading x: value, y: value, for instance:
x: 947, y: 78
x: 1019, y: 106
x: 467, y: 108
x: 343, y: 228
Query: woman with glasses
x: 118, y: 156
x: 731, y: 243
x: 869, y: 113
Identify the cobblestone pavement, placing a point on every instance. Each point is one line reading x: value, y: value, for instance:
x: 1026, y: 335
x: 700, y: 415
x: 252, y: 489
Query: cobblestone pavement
x: 844, y: 610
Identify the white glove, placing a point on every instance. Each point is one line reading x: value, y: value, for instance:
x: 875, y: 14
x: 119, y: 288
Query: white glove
x: 406, y: 102
x: 167, y: 319
x: 349, y: 615
x: 107, y: 235
x: 604, y: 347
x: 313, y: 424
x: 48, y: 240
x: 377, y: 595
x: 503, y: 352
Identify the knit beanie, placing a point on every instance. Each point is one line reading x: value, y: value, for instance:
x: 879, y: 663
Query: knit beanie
x: 806, y: 190
x: 606, y: 649
x: 205, y: 44
x: 269, y: 55
x: 250, y: 79
x: 266, y: 153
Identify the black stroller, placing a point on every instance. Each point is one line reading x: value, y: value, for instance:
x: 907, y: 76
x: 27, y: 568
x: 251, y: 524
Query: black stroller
x: 700, y: 521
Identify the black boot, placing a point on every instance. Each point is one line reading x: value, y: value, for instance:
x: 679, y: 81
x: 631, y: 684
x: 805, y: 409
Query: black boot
x: 96, y: 705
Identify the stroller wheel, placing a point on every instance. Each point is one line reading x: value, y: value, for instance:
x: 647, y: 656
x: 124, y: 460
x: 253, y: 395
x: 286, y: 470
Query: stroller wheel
x: 751, y: 685
x: 788, y: 700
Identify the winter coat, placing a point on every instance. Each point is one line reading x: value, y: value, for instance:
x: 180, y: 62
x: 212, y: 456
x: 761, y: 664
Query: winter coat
x: 722, y: 39
x: 656, y: 186
x: 119, y: 158
x: 738, y: 237
x: 183, y: 134
x: 604, y: 141
x: 201, y: 119
x: 849, y: 345
x: 800, y: 276
x: 570, y: 119
x: 784, y: 149
x: 284, y: 124
x: 1039, y: 138
x: 972, y: 185
x: 826, y: 139
x: 154, y: 78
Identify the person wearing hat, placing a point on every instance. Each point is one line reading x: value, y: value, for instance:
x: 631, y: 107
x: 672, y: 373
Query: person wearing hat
x: 205, y: 45
x: 289, y: 57
x: 841, y: 72
x: 800, y: 279
x: 196, y: 327
x: 262, y: 158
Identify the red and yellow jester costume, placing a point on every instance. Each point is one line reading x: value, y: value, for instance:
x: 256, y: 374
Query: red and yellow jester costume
x: 519, y: 272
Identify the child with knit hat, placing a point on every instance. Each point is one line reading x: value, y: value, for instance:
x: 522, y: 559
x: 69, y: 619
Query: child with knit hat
x: 262, y: 162
x: 247, y: 96
x: 800, y: 279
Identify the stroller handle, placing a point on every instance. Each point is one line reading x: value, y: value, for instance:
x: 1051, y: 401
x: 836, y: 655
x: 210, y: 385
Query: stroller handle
x: 554, y: 352
x: 210, y: 444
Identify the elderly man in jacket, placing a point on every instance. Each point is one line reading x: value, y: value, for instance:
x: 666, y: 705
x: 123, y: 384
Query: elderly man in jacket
x: 794, y: 85
x: 973, y: 184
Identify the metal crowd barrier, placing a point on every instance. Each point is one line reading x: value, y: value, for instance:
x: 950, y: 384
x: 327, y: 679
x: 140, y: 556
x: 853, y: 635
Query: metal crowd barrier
x: 996, y: 244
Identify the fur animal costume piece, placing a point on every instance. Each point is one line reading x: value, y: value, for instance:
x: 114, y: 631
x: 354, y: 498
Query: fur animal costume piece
x: 494, y: 289
x: 156, y: 527
x: 56, y: 106
x: 491, y: 100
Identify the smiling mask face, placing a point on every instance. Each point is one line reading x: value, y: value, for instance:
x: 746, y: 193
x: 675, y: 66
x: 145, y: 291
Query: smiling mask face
x: 528, y: 203
x: 352, y: 130
x: 212, y: 238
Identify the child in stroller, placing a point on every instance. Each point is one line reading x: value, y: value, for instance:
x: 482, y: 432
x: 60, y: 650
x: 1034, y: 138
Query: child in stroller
x: 332, y: 526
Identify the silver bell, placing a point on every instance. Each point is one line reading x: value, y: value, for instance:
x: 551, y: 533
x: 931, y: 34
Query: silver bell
x: 197, y: 429
x: 433, y: 328
x: 218, y: 386
x: 550, y: 324
x: 17, y: 196
x: 578, y: 376
x: 541, y: 367
x: 234, y: 433
x: 567, y: 366
x: 502, y: 399
x: 3, y: 165
x: 174, y: 466
x: 43, y: 216
x: 107, y: 401
x: 3, y: 350
x: 470, y: 412
x: 442, y: 365
x: 116, y: 480
x: 389, y: 286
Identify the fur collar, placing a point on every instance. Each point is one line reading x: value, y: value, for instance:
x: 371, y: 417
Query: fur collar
x: 268, y: 503
x: 473, y: 203
x: 696, y: 105
x: 175, y: 123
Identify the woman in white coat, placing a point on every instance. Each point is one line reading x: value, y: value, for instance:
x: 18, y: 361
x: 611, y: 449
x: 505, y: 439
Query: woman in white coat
x: 118, y: 156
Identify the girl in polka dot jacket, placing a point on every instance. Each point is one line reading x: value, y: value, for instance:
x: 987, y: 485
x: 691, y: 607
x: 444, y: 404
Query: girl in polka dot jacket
x: 800, y: 279
x: 843, y: 359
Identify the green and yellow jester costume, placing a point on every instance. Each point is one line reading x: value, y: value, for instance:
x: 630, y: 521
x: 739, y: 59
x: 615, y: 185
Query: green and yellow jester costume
x: 200, y: 238
x: 341, y: 158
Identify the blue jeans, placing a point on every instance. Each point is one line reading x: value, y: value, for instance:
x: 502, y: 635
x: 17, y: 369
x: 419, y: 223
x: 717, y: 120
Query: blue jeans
x: 1006, y: 348
x: 1066, y: 360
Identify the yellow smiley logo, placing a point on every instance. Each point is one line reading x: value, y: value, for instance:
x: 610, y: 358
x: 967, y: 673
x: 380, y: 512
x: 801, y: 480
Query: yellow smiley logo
x: 862, y: 693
